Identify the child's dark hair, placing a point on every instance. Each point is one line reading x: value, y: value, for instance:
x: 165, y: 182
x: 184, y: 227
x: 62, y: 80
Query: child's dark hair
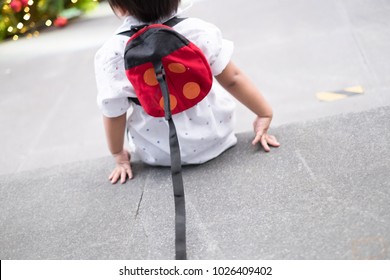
x: 146, y: 10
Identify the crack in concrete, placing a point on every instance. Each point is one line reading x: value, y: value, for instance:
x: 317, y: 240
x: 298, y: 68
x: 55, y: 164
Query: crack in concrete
x: 307, y: 167
x: 139, y: 204
x: 138, y: 218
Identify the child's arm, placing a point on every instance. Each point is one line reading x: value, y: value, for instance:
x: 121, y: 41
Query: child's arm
x: 238, y: 85
x: 115, y: 131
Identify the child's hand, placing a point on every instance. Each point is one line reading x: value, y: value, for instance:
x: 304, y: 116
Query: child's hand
x: 122, y: 168
x: 261, y: 125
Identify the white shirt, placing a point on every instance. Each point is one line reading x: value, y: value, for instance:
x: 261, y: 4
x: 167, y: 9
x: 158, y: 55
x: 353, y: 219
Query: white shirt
x: 204, y: 131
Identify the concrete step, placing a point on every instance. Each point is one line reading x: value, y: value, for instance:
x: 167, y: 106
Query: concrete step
x: 324, y: 194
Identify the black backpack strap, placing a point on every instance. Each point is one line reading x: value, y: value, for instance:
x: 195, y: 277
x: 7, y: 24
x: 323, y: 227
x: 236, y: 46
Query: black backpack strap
x: 177, y: 178
x: 171, y: 23
x: 134, y: 29
x: 135, y: 100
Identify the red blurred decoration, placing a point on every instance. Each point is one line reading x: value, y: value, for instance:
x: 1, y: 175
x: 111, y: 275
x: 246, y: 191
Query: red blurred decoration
x: 24, y: 3
x: 16, y: 6
x: 60, y: 22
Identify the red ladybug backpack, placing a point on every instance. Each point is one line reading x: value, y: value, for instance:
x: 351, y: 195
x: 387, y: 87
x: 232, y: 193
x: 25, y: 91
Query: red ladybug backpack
x: 169, y: 75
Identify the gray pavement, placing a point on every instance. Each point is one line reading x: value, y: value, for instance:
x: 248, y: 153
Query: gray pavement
x: 324, y: 194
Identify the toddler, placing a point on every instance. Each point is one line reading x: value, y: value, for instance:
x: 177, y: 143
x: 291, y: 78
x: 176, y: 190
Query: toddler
x: 205, y: 130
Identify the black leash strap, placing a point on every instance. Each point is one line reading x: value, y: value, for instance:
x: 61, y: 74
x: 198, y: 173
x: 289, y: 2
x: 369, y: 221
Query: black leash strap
x: 177, y: 178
